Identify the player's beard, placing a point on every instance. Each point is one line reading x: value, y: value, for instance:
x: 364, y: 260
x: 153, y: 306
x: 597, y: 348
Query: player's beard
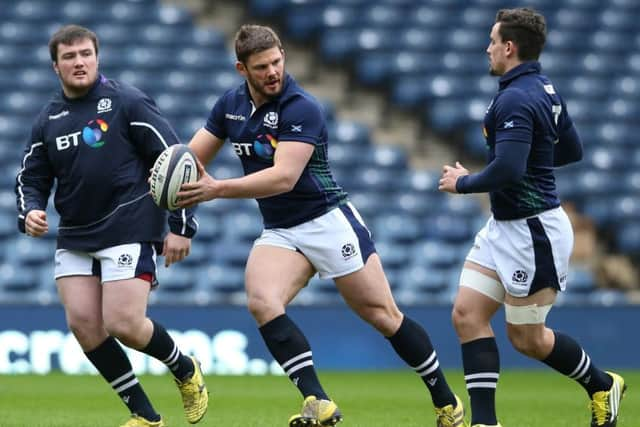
x: 259, y: 88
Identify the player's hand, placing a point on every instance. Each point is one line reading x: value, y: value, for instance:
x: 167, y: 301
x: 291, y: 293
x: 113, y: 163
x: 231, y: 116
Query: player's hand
x: 450, y: 176
x: 175, y: 249
x: 204, y: 189
x: 35, y: 223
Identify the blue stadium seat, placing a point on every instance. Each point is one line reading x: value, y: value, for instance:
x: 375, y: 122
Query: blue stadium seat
x: 585, y: 87
x: 618, y: 20
x: 580, y: 280
x: 177, y: 278
x: 393, y: 255
x: 622, y: 110
x: 421, y: 181
x: 369, y: 203
x: 468, y: 40
x: 348, y: 132
x: 371, y: 178
x: 571, y: 19
x: 221, y: 278
x: 627, y: 87
x: 344, y: 156
x: 627, y: 237
x: 417, y: 204
x: 439, y: 253
x: 207, y: 60
x: 386, y: 157
x: 22, y: 103
x: 17, y: 279
x: 425, y: 39
x: 559, y: 40
x: 424, y: 278
x: 449, y: 228
x: 396, y: 227
x: 242, y: 226
x: 15, y: 130
x: 231, y: 253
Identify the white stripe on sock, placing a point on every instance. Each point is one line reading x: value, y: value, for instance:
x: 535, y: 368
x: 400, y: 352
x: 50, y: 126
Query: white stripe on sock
x: 481, y: 385
x: 487, y: 375
x: 126, y: 385
x: 300, y: 366
x: 295, y: 359
x: 430, y: 370
x: 426, y: 362
x: 121, y: 378
x: 572, y: 374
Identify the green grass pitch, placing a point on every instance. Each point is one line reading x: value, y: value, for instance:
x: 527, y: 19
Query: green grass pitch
x: 367, y: 399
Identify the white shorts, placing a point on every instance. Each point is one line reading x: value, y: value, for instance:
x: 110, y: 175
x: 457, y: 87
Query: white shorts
x: 528, y: 254
x: 336, y: 243
x: 115, y: 263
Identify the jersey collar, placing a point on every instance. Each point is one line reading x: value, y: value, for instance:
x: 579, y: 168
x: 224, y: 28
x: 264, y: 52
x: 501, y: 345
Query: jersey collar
x: 519, y: 70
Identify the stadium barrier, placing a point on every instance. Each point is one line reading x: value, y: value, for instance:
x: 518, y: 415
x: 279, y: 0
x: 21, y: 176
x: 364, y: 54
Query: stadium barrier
x: 35, y: 339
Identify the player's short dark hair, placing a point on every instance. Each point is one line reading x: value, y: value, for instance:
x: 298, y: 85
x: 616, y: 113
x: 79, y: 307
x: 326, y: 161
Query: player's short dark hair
x: 524, y: 27
x: 252, y: 39
x: 69, y: 34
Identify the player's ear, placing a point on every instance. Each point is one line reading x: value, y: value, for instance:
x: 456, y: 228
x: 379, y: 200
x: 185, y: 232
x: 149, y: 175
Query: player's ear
x: 241, y: 68
x: 55, y: 67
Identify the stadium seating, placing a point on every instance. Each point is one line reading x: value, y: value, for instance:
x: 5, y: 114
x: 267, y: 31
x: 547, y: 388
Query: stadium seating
x: 397, y: 46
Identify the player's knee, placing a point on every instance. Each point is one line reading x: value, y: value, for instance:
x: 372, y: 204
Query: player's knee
x: 124, y: 326
x: 386, y: 320
x: 261, y: 308
x: 527, y: 343
x: 464, y: 320
x: 83, y: 324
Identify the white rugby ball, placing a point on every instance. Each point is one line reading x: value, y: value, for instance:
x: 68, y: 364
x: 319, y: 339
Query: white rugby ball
x: 174, y: 166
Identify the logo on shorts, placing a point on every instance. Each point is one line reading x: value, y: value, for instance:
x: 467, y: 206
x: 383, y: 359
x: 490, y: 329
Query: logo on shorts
x: 348, y: 251
x: 519, y: 277
x: 125, y: 260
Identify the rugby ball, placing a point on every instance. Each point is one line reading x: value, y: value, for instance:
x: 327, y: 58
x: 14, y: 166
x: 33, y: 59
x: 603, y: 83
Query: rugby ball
x: 174, y: 166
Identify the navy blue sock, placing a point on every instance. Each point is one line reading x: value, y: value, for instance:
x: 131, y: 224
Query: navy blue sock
x: 481, y: 362
x: 112, y: 363
x: 162, y: 347
x: 568, y: 358
x: 290, y: 348
x: 413, y: 345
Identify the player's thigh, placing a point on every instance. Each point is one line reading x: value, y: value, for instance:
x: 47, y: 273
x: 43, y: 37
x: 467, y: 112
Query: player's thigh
x: 367, y: 287
x: 79, y: 288
x: 276, y: 273
x: 125, y: 299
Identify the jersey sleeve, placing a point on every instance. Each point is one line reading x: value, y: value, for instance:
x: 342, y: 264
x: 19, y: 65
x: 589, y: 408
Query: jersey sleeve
x: 568, y: 148
x: 514, y: 117
x: 215, y: 121
x: 302, y: 120
x: 35, y: 177
x: 149, y: 130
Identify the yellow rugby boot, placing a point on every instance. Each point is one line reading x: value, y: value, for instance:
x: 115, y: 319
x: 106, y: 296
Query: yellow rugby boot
x: 316, y: 412
x: 138, y: 421
x: 606, y: 404
x: 451, y: 416
x: 195, y: 397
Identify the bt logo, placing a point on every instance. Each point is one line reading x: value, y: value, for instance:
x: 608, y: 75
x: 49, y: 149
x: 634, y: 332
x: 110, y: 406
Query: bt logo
x: 264, y: 146
x: 91, y: 135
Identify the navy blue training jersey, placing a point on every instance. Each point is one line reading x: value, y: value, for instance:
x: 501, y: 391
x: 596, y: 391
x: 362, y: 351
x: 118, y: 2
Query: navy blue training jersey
x: 99, y: 149
x: 292, y: 116
x: 527, y: 110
